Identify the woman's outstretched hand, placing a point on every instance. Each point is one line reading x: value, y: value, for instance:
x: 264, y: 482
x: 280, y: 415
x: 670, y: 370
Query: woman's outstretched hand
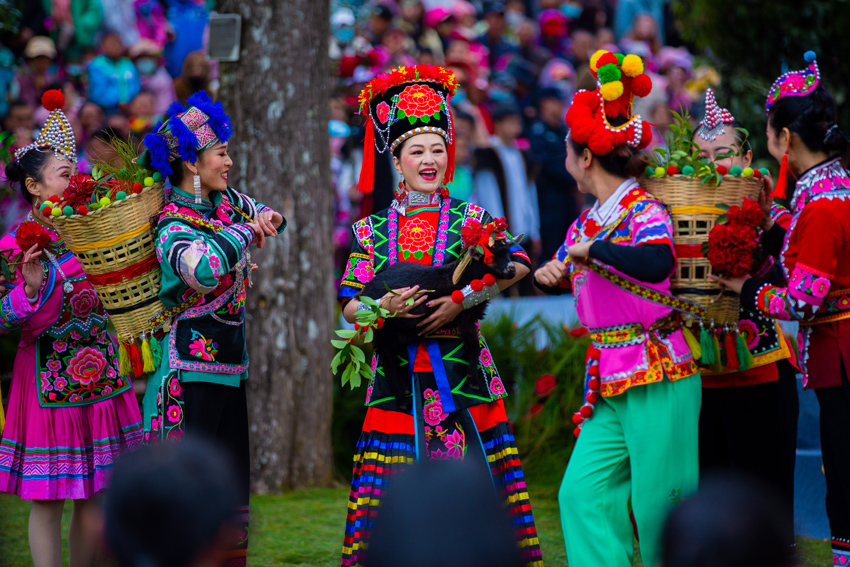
x: 766, y: 202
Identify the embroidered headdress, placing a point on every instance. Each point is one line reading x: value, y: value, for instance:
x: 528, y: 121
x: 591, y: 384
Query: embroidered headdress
x: 714, y: 119
x: 620, y: 78
x: 57, y: 132
x: 795, y: 83
x: 401, y: 104
x: 185, y: 132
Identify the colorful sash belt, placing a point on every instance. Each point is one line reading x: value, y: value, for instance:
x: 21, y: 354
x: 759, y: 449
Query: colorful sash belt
x: 631, y: 334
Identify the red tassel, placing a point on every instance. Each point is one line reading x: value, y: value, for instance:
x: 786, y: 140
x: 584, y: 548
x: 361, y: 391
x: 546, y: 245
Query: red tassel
x: 450, y: 168
x: 779, y: 192
x: 731, y: 356
x: 367, y: 170
x: 136, y: 361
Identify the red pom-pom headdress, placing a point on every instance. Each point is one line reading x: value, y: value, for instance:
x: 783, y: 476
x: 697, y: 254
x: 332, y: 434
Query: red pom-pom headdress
x: 57, y: 132
x: 401, y: 104
x: 620, y: 78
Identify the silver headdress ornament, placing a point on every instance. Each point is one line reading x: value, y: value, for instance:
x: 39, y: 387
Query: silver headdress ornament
x: 715, y: 117
x: 57, y: 132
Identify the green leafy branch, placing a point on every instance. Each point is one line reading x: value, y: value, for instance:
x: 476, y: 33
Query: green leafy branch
x: 684, y: 154
x: 351, y: 360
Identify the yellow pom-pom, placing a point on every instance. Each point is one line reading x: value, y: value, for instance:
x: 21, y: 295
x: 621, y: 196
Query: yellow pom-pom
x: 632, y: 66
x: 660, y: 172
x: 748, y: 172
x: 595, y: 59
x: 612, y: 91
x: 149, y: 181
x: 57, y: 212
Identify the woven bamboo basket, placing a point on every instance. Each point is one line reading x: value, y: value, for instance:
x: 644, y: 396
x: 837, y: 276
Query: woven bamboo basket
x: 114, y: 239
x: 694, y: 209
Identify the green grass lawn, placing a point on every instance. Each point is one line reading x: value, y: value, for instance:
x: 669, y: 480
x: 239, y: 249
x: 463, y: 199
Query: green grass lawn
x: 305, y: 528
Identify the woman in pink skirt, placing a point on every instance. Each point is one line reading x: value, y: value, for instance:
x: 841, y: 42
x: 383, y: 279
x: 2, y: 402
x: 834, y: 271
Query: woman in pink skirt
x: 69, y: 414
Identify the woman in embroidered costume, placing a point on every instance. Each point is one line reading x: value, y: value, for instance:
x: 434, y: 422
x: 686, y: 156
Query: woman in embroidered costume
x: 748, y: 419
x: 70, y: 414
x: 443, y: 414
x: 638, y: 440
x: 202, y: 242
x: 813, y: 251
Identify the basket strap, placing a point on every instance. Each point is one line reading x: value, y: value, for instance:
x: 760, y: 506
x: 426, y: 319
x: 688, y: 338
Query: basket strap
x: 639, y: 290
x: 161, y: 318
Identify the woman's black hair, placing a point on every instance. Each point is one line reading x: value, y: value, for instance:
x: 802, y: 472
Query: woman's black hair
x: 30, y: 166
x: 813, y: 118
x: 623, y: 161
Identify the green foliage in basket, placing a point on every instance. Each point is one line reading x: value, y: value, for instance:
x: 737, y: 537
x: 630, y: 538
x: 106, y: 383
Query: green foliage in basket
x: 125, y: 168
x: 683, y: 154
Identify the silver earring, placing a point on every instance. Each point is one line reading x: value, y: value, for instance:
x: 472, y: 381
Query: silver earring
x: 197, y: 189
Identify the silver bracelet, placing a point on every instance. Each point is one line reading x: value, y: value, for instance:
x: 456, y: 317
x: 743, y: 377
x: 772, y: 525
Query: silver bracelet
x: 472, y: 298
x: 362, y: 307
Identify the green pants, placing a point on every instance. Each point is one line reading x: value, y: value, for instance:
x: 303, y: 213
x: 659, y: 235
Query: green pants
x: 641, y: 445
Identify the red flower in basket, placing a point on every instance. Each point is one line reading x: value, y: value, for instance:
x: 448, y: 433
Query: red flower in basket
x: 31, y: 233
x: 79, y: 190
x: 545, y: 385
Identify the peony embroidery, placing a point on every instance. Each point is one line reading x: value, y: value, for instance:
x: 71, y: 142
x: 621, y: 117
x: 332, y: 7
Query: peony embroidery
x: 820, y: 287
x: 60, y: 383
x: 496, y: 386
x: 364, y: 271
x: 60, y: 346
x: 419, y: 102
x: 433, y: 410
x: 203, y: 348
x: 383, y: 112
x: 486, y: 359
x: 174, y: 388
x: 749, y: 331
x: 87, y: 365
x: 174, y: 413
x: 54, y: 365
x: 83, y: 303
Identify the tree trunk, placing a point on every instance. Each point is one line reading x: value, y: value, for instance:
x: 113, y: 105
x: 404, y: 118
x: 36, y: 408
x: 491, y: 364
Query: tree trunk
x: 277, y: 96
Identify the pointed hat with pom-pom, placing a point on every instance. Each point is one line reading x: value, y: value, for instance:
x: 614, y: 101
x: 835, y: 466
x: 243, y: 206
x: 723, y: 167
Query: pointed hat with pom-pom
x: 620, y: 78
x: 57, y: 133
x: 715, y: 117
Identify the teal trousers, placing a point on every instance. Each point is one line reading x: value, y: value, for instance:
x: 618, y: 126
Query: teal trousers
x: 640, y: 447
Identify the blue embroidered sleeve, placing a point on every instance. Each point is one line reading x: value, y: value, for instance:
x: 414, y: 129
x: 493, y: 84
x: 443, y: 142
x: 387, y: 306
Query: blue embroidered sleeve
x: 16, y: 308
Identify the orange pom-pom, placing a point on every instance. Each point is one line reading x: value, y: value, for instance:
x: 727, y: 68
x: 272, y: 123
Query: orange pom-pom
x: 53, y: 100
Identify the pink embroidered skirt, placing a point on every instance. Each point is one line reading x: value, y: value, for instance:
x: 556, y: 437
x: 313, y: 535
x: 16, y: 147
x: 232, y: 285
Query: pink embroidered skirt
x: 54, y: 453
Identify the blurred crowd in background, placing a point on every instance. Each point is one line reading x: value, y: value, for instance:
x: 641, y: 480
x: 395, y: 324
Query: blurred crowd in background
x: 121, y: 63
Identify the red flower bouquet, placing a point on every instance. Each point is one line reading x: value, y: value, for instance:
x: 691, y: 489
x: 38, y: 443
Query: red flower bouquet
x: 79, y: 190
x: 732, y: 245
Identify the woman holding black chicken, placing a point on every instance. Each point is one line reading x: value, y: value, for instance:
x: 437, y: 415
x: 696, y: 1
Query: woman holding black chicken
x: 442, y: 411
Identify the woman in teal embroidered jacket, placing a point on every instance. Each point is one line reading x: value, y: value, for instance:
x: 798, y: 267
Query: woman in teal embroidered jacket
x: 442, y: 416
x: 202, y: 243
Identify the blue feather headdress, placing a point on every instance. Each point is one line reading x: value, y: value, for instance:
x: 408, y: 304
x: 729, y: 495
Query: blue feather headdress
x: 186, y: 131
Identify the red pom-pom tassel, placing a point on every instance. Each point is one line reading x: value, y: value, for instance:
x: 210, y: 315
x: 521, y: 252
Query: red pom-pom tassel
x: 593, y: 384
x: 53, y: 100
x: 576, y: 431
x: 586, y: 412
x: 83, y: 210
x: 592, y: 397
x: 489, y: 279
x: 593, y: 371
x: 595, y: 353
x: 577, y: 418
x: 457, y: 296
x: 476, y: 285
x: 731, y: 356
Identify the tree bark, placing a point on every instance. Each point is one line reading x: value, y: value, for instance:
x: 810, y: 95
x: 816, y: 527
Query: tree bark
x: 277, y: 96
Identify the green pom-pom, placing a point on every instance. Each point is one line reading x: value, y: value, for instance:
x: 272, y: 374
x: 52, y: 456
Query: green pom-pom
x: 68, y: 211
x: 736, y: 170
x: 149, y: 181
x: 660, y: 171
x: 609, y: 73
x: 57, y: 212
x: 121, y: 195
x: 94, y: 206
x: 687, y: 170
x: 748, y: 172
x: 157, y: 177
x: 620, y: 58
x: 105, y: 201
x: 764, y: 171
x: 650, y: 171
x: 122, y: 172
